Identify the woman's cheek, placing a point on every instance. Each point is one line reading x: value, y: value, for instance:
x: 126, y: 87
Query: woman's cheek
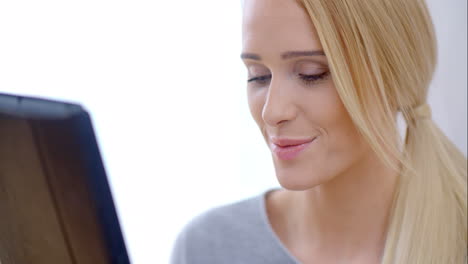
x: 323, y: 106
x: 256, y: 101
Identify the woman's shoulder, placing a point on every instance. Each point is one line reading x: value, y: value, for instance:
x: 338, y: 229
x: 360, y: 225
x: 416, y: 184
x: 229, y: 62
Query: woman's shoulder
x: 222, y: 220
x: 218, y: 233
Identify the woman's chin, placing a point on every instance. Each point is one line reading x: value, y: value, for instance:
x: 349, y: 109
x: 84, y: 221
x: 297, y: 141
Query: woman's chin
x: 298, y: 182
x: 302, y: 174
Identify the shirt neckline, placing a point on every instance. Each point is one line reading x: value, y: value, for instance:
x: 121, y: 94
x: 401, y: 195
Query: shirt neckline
x: 267, y: 224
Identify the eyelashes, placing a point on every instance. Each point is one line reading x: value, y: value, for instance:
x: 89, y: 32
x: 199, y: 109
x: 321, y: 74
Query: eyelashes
x: 306, y: 79
x: 260, y: 79
x: 310, y: 79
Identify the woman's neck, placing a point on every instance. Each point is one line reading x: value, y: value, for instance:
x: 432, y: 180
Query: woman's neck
x: 345, y: 218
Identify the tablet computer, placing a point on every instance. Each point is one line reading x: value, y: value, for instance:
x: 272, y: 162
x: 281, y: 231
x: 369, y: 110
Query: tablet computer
x: 56, y: 206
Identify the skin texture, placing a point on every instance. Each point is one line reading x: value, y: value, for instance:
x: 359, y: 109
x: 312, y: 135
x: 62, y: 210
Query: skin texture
x: 337, y: 193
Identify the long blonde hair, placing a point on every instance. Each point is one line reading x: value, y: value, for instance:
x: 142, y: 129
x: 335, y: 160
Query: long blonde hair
x: 382, y: 56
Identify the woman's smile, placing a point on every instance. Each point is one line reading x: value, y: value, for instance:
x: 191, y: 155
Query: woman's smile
x: 288, y: 149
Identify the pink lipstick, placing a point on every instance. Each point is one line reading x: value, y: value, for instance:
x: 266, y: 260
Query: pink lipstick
x: 288, y: 149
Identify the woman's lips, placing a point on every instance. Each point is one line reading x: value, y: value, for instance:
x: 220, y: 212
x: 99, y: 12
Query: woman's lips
x: 288, y: 149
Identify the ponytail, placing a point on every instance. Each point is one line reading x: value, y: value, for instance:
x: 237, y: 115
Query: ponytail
x: 430, y: 213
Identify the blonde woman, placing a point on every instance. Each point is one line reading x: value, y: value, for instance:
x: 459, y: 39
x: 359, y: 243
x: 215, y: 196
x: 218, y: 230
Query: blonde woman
x: 327, y: 80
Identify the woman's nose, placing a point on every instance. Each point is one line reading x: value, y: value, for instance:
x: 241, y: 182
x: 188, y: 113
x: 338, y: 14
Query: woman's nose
x: 279, y: 104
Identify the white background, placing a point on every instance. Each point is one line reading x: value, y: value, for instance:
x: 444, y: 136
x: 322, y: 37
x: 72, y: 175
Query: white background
x: 166, y: 90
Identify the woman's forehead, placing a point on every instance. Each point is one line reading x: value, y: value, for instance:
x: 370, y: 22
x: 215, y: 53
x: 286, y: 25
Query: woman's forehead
x: 277, y: 25
x: 272, y: 10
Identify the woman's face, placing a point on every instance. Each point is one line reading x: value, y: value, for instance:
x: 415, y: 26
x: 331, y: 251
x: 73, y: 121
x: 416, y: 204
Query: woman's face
x: 292, y: 96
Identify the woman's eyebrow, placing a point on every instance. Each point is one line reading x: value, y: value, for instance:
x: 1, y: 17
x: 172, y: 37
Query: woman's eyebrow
x: 286, y: 55
x: 292, y: 54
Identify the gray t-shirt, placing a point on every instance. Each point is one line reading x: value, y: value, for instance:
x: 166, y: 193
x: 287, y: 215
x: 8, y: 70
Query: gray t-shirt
x: 237, y: 233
